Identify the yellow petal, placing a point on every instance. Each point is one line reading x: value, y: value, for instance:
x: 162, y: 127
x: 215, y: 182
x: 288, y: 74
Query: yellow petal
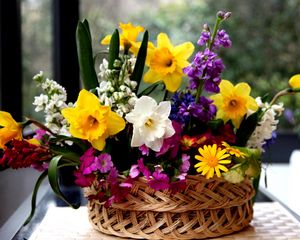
x: 294, y: 81
x: 184, y: 50
x: 151, y: 76
x: 243, y: 89
x: 210, y: 173
x: 252, y: 104
x: 87, y: 99
x: 172, y: 82
x: 226, y: 87
x: 115, y: 123
x: 106, y: 40
x: 164, y: 41
x: 218, y: 171
x: 6, y: 119
x: 99, y: 144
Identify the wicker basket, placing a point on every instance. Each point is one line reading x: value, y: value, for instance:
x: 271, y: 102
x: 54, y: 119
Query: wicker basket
x: 207, y: 208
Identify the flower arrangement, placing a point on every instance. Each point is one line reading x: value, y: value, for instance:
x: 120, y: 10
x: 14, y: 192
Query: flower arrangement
x: 162, y: 129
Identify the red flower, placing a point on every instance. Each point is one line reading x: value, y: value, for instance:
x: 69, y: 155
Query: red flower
x: 22, y: 154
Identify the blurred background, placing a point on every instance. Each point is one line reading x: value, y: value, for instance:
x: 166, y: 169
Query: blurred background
x: 39, y: 35
x: 265, y: 36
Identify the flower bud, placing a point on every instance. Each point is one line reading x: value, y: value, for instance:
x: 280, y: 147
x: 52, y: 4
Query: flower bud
x: 206, y: 27
x: 294, y: 81
x: 221, y: 14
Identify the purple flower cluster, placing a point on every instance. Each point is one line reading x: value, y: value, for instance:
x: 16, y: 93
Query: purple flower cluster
x: 206, y: 67
x: 184, y: 106
x: 180, y: 111
x: 204, y: 110
x: 221, y: 39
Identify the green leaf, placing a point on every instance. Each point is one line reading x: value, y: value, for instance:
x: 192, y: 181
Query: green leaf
x: 53, y: 179
x: 149, y: 89
x: 34, y: 194
x: 247, y: 127
x: 140, y: 60
x: 85, y: 56
x: 114, y: 47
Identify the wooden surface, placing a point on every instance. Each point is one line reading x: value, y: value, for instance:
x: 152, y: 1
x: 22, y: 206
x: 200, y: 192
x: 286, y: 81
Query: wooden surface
x: 271, y: 221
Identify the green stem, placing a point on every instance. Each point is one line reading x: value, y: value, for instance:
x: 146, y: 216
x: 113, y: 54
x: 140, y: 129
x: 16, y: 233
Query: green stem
x: 280, y: 94
x: 216, y: 27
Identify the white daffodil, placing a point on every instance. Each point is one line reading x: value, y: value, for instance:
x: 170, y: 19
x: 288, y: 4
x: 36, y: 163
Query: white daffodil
x: 151, y: 123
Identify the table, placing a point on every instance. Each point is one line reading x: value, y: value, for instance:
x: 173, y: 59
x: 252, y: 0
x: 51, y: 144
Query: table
x: 283, y: 184
x: 271, y: 221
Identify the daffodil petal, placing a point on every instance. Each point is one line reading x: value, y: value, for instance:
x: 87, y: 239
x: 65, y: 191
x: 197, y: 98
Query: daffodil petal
x: 106, y: 40
x: 164, y: 41
x: 151, y: 76
x: 184, y: 50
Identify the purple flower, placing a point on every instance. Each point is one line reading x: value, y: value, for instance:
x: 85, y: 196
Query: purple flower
x: 206, y: 67
x: 185, y: 166
x: 143, y: 169
x: 144, y: 150
x: 204, y: 38
x: 84, y: 180
x: 171, y: 144
x: 204, y: 110
x: 222, y: 39
x: 103, y: 163
x: 134, y: 171
x: 160, y: 181
x: 112, y: 176
x: 39, y: 134
x: 180, y: 107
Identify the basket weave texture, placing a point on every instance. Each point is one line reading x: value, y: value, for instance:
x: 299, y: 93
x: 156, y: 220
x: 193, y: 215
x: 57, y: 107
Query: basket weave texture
x: 205, y: 209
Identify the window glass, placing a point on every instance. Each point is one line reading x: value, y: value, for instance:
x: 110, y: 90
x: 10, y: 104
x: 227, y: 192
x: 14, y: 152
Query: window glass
x: 36, y: 48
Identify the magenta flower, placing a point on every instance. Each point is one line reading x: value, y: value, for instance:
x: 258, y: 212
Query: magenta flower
x: 39, y: 134
x: 160, y: 181
x: 84, y: 180
x: 144, y: 150
x: 185, y: 166
x: 172, y: 143
x: 134, y: 171
x: 112, y: 176
x: 143, y: 169
x: 103, y: 163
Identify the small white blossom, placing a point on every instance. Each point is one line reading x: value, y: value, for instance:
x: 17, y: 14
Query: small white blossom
x: 266, y: 126
x: 151, y: 123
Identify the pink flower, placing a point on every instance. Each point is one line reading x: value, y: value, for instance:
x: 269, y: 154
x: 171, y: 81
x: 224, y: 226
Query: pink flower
x: 39, y: 134
x: 84, y: 180
x: 143, y: 169
x: 112, y: 176
x: 103, y: 163
x: 160, y: 181
x: 134, y: 171
x: 172, y: 143
x: 185, y: 166
x: 144, y: 150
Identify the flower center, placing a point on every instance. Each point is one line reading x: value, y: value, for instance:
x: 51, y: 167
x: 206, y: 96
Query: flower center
x: 92, y: 122
x: 163, y: 61
x: 212, y: 161
x: 233, y: 103
x: 149, y: 122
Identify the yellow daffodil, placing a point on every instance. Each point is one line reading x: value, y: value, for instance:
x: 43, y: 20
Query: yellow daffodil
x: 91, y: 121
x: 211, y: 159
x: 294, y: 81
x: 167, y: 61
x: 233, y: 151
x: 128, y: 37
x: 9, y: 129
x: 233, y: 102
